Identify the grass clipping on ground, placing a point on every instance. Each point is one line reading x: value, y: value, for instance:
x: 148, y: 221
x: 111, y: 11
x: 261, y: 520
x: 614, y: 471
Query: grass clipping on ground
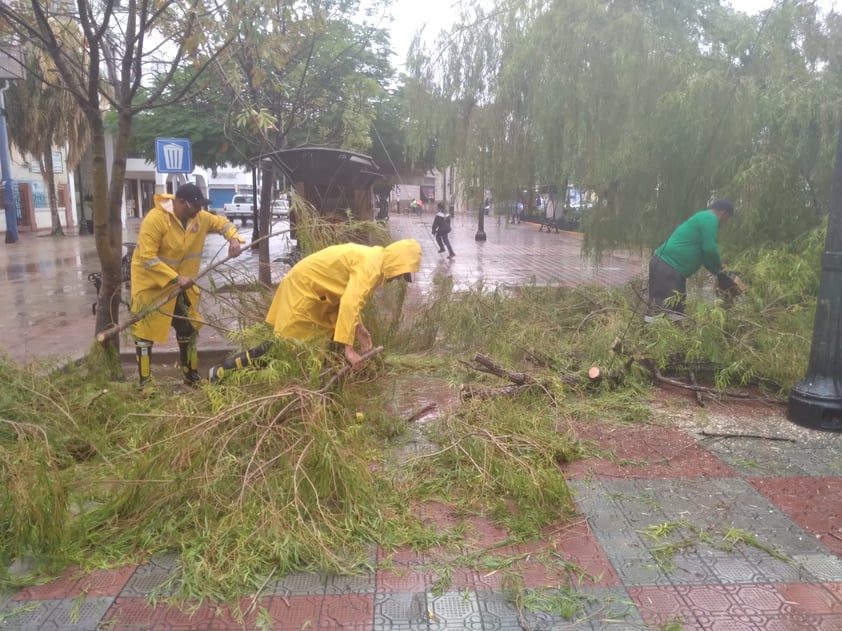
x: 271, y: 472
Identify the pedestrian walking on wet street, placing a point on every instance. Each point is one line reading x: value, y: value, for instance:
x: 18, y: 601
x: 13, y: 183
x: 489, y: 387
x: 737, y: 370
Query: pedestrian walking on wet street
x: 441, y: 230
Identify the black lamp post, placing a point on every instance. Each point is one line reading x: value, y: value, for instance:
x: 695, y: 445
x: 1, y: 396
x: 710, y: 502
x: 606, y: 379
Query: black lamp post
x: 480, y: 236
x: 816, y: 401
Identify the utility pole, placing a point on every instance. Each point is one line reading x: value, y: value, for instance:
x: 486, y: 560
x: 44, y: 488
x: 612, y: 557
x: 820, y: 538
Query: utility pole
x: 9, y: 69
x: 816, y: 401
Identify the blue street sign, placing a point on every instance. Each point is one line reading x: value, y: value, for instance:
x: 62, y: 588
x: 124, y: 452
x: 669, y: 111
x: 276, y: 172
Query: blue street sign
x: 173, y: 155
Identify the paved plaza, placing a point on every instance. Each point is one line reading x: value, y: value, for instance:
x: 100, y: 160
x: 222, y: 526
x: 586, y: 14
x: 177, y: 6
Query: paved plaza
x: 46, y: 297
x: 764, y: 507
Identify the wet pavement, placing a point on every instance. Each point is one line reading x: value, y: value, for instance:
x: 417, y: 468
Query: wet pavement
x: 46, y: 297
x: 724, y: 517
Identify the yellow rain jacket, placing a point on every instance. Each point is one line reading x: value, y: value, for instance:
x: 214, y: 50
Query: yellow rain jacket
x: 165, y: 250
x: 324, y: 293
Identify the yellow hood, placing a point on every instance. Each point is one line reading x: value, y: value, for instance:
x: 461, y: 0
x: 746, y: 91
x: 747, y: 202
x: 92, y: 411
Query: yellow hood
x: 401, y: 257
x: 164, y: 202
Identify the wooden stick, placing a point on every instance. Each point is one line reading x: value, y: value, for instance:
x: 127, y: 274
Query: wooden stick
x: 416, y: 415
x: 713, y: 392
x: 699, y: 399
x: 758, y: 436
x: 489, y: 365
x: 344, y: 370
x: 115, y: 329
x: 467, y: 391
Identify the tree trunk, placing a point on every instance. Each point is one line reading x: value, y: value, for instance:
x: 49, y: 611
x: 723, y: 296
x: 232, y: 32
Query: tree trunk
x: 108, y: 248
x: 264, y: 266
x: 49, y: 176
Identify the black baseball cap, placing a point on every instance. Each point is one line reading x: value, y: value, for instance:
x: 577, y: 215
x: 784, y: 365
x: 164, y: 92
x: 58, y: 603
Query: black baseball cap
x: 724, y: 205
x: 192, y: 194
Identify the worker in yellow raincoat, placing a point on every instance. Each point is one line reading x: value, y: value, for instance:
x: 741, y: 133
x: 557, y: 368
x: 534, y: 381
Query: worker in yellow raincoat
x: 323, y: 295
x: 168, y: 254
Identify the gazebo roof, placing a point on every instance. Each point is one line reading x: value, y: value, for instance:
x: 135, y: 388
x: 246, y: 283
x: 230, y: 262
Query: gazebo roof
x: 327, y: 167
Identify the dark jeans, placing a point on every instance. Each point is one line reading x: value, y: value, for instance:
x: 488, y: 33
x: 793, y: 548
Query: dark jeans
x: 667, y: 288
x: 444, y: 241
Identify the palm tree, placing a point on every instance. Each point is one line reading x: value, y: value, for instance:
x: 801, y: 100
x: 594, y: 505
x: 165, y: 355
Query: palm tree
x: 42, y: 115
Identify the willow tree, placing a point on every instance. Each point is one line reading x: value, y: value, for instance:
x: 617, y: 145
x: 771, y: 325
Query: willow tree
x: 653, y: 107
x: 124, y: 45
x: 42, y: 115
x: 300, y: 73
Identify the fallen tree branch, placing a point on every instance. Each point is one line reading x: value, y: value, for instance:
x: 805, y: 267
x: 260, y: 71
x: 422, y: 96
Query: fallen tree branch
x: 486, y: 364
x: 109, y: 332
x: 467, y: 392
x: 718, y: 435
x: 341, y: 372
x: 714, y: 392
x: 417, y: 415
x: 698, y: 393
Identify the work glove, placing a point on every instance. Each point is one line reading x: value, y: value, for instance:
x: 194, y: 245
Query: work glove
x: 729, y: 285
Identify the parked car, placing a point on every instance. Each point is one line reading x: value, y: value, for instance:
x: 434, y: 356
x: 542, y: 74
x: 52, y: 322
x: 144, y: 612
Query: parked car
x: 280, y: 209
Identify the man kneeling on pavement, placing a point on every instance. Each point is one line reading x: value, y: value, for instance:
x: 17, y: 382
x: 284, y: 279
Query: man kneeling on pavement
x: 323, y: 295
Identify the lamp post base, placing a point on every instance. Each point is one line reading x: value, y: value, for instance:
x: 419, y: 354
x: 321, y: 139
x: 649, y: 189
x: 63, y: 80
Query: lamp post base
x: 480, y: 236
x: 816, y: 404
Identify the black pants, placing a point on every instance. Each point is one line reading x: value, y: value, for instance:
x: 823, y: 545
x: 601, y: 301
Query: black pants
x: 667, y: 288
x: 444, y: 241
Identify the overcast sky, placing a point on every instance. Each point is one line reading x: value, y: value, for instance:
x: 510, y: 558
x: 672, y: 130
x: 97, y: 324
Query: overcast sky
x: 411, y: 15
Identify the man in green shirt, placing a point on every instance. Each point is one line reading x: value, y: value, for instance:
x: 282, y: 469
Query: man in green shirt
x: 693, y: 244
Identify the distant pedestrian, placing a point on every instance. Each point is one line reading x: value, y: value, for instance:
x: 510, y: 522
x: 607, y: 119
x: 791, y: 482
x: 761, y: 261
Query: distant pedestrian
x: 441, y: 230
x: 168, y: 254
x: 692, y: 245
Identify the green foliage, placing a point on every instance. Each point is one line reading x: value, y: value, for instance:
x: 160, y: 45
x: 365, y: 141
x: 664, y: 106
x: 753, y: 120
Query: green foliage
x: 506, y: 455
x: 315, y: 231
x: 277, y: 88
x: 269, y: 472
x: 653, y: 108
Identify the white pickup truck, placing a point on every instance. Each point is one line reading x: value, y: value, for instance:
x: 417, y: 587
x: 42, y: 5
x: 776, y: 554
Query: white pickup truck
x: 241, y: 208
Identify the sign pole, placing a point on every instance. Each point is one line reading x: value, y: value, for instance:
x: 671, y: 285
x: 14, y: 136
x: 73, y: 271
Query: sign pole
x: 5, y: 166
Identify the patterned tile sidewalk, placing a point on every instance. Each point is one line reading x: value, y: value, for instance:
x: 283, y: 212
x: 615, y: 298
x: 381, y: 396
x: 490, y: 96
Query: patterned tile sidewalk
x: 675, y: 526
x: 680, y: 522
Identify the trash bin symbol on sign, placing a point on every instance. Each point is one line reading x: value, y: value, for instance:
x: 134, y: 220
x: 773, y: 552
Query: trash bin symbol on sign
x: 173, y: 155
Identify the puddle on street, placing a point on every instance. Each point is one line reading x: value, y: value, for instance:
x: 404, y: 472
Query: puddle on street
x: 421, y: 400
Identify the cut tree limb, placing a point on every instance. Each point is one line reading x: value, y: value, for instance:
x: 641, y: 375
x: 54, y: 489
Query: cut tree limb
x: 341, y: 372
x: 106, y: 334
x: 698, y: 392
x: 758, y: 436
x: 486, y: 364
x: 714, y: 392
x: 420, y: 413
x: 467, y: 391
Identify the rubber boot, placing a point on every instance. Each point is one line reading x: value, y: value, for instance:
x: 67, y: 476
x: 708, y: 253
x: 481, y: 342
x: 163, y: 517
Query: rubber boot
x: 143, y: 353
x: 235, y: 362
x: 188, y: 357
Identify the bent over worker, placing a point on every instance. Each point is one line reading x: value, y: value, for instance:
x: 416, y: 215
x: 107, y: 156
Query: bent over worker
x: 168, y: 254
x: 323, y: 296
x: 692, y: 245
